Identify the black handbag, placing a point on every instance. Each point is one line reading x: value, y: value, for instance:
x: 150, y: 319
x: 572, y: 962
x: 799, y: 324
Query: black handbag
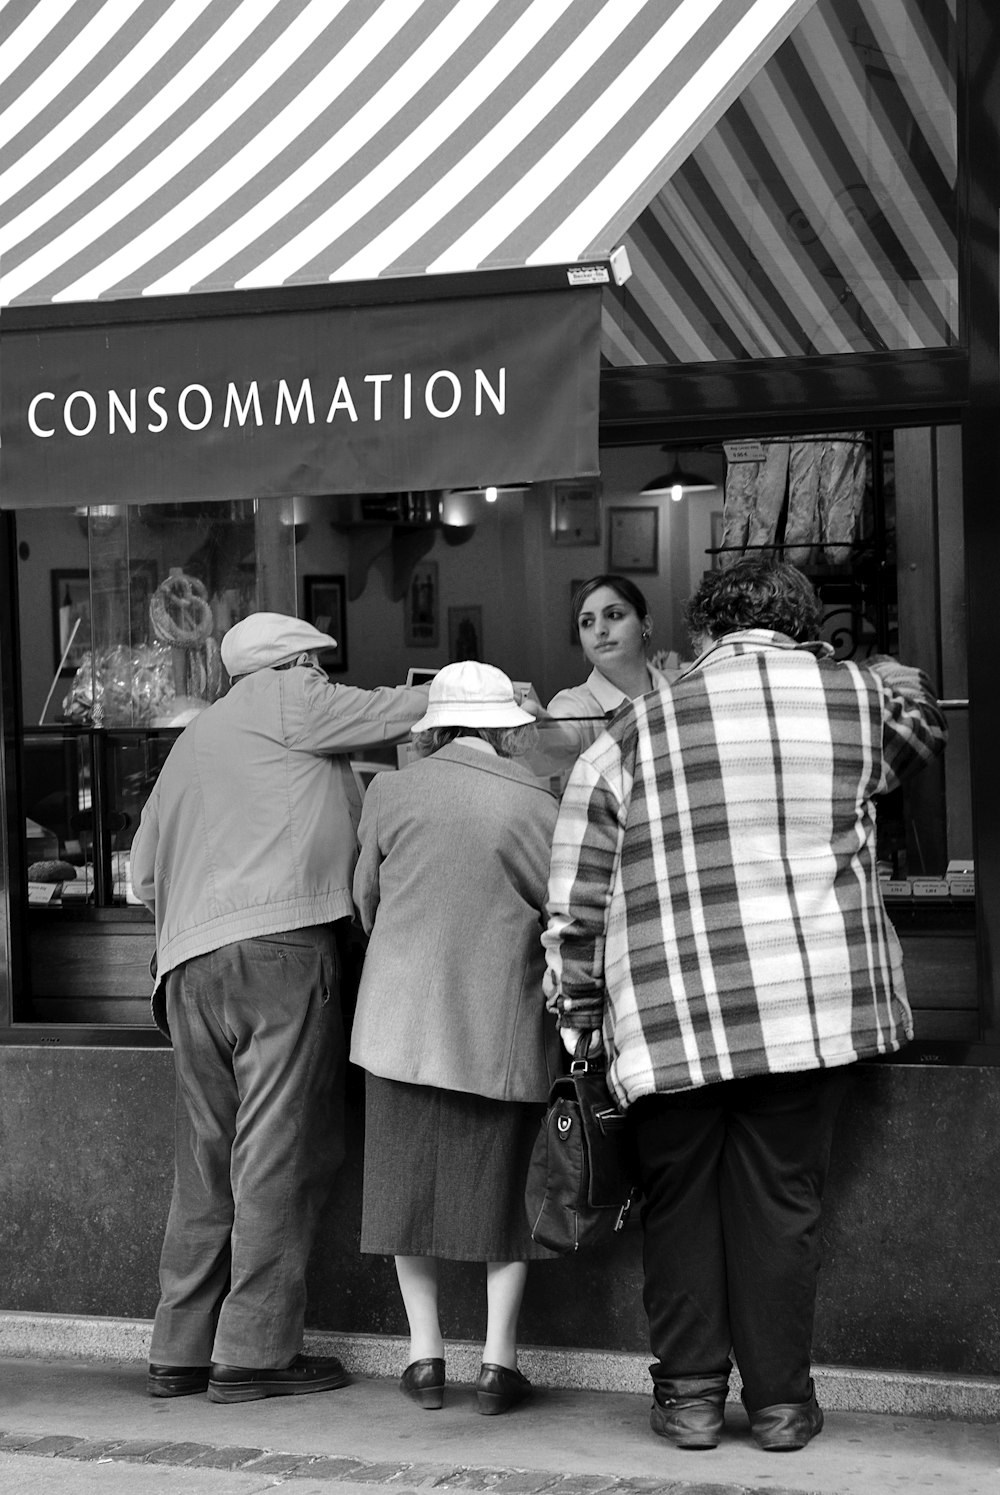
x: 578, y: 1189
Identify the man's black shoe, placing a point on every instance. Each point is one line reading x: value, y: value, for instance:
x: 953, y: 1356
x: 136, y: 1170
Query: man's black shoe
x: 690, y: 1411
x: 788, y: 1426
x: 176, y: 1380
x: 238, y: 1383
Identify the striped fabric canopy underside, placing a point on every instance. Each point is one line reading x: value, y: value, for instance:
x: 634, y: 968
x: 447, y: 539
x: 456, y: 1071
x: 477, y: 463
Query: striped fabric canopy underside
x: 819, y: 215
x: 156, y: 147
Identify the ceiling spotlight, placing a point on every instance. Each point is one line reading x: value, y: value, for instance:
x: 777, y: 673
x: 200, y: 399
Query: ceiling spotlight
x: 676, y: 482
x: 99, y: 519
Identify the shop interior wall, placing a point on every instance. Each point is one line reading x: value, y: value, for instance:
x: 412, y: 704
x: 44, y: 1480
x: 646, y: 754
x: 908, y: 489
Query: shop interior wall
x: 511, y: 567
x: 909, y: 1280
x: 49, y: 540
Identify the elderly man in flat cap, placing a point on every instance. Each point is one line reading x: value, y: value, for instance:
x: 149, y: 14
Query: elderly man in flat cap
x: 245, y: 854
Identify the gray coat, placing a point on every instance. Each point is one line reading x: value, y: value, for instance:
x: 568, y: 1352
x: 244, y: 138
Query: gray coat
x: 450, y: 884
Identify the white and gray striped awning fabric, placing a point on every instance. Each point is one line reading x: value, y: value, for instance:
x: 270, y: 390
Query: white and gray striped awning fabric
x: 159, y: 147
x: 819, y: 215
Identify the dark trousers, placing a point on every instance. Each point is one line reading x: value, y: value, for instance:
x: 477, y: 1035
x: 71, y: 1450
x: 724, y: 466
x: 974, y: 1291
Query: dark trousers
x: 732, y: 1175
x: 259, y: 1134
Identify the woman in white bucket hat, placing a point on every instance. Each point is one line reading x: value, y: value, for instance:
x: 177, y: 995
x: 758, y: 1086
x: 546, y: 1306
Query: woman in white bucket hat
x: 450, y: 1023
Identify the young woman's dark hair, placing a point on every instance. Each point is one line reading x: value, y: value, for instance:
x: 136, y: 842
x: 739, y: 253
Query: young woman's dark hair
x: 626, y: 589
x: 755, y: 594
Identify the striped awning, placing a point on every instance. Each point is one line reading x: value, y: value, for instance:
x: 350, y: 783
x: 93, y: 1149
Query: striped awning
x: 819, y: 215
x: 159, y: 147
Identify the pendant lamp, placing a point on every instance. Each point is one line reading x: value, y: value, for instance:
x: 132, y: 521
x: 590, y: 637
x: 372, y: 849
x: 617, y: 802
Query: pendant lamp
x: 492, y: 491
x: 676, y: 482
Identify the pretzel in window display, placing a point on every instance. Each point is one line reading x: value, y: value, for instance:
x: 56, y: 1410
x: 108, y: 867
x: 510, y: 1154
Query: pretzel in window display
x: 179, y: 610
x: 181, y: 616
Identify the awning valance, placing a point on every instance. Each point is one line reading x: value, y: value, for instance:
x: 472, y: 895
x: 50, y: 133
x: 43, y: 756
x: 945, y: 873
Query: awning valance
x: 425, y: 394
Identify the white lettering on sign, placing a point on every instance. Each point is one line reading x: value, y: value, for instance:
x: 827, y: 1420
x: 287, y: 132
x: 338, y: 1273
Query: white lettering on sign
x: 374, y: 396
x: 182, y: 404
x: 498, y: 398
x: 33, y: 426
x: 285, y: 402
x: 157, y: 408
x: 341, y: 401
x: 90, y: 403
x: 378, y: 380
x: 241, y: 412
x: 127, y: 416
x: 456, y: 393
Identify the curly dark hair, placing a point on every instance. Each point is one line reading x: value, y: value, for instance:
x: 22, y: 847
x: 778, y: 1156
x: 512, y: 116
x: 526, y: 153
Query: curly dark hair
x: 755, y: 594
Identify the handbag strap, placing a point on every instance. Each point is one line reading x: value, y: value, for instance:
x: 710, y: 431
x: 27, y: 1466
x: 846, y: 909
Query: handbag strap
x: 580, y: 1064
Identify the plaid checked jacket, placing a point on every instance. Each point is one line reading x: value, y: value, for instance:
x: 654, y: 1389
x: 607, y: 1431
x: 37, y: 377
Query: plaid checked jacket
x: 713, y: 896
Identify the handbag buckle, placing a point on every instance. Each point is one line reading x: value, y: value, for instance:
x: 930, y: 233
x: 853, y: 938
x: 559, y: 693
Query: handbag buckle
x: 624, y: 1212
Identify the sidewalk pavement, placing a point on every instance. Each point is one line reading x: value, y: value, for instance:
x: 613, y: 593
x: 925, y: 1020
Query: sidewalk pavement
x: 88, y: 1427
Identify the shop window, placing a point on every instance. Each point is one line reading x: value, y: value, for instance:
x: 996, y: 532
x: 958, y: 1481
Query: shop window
x: 490, y: 575
x: 875, y: 520
x: 122, y: 609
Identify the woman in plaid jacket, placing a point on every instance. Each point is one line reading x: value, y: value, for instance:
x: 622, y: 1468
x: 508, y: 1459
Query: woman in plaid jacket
x: 715, y: 919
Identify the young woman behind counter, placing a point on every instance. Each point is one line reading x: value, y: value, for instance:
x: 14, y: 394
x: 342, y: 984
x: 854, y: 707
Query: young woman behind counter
x: 614, y: 626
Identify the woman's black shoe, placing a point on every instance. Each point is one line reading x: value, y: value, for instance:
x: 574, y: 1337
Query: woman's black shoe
x: 424, y: 1381
x: 499, y: 1388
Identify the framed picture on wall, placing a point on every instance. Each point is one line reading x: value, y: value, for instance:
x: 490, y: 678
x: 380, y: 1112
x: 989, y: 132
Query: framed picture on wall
x: 70, y: 618
x: 576, y: 512
x: 420, y: 618
x: 326, y: 609
x: 633, y: 539
x: 465, y: 633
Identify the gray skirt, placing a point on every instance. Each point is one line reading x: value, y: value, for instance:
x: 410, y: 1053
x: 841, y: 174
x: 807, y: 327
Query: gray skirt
x: 445, y: 1174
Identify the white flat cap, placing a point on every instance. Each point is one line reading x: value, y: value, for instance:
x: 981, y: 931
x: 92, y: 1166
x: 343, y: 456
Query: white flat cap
x: 265, y: 639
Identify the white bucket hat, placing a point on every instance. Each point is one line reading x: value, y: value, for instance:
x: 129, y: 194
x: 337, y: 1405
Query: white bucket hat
x: 265, y: 639
x: 471, y: 695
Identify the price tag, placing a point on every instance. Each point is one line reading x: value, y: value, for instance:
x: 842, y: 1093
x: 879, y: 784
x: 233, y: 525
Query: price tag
x: 42, y: 892
x: 744, y: 451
